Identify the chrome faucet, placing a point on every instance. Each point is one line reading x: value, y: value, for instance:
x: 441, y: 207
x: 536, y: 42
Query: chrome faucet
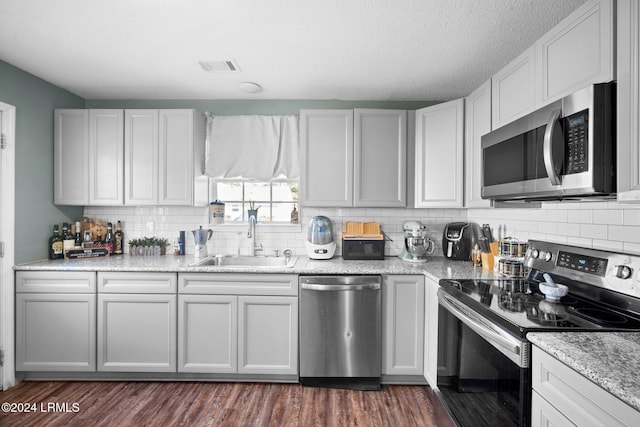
x: 251, y: 234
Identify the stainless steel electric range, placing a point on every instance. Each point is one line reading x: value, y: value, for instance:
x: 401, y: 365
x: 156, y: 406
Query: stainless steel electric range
x: 484, y: 360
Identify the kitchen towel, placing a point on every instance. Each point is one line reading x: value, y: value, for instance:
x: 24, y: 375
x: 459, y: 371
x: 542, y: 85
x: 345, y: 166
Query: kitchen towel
x: 252, y: 147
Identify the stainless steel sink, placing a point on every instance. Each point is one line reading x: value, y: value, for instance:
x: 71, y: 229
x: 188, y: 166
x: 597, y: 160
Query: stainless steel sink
x: 246, y: 261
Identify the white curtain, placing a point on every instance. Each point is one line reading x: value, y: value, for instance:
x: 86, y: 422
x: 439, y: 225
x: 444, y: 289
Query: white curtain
x: 252, y: 147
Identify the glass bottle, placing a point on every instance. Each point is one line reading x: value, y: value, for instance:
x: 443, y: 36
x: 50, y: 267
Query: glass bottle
x: 78, y: 241
x: 294, y: 215
x: 118, y: 239
x: 68, y: 241
x: 108, y: 238
x: 56, y: 244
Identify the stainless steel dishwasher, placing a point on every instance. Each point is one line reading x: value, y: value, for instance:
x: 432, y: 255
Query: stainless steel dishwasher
x: 341, y: 331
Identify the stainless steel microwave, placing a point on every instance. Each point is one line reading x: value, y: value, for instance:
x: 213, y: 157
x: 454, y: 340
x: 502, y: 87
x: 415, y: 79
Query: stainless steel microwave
x: 563, y: 150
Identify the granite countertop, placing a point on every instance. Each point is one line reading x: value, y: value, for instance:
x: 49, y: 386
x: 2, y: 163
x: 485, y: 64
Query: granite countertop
x: 436, y: 267
x: 609, y: 359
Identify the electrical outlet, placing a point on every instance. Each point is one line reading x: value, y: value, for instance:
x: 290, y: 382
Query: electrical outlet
x: 151, y: 226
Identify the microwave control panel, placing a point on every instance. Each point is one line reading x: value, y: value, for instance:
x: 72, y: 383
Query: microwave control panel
x: 576, y: 131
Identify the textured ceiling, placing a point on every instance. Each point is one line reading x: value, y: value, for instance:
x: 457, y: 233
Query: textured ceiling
x: 295, y: 49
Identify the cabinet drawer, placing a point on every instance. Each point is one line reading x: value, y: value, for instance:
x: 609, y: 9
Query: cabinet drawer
x: 577, y: 398
x: 52, y: 282
x: 238, y: 284
x: 137, y: 283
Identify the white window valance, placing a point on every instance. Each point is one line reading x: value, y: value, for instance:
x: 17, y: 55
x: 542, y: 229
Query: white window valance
x: 252, y: 147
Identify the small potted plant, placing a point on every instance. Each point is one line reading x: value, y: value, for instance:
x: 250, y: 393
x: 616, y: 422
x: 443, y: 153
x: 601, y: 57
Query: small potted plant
x: 253, y: 210
x: 148, y: 246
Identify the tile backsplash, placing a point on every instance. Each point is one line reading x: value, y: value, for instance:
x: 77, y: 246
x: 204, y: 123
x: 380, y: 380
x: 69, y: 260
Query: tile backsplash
x: 168, y: 221
x: 605, y: 225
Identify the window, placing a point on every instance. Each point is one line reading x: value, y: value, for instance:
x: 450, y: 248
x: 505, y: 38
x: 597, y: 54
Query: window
x: 274, y: 200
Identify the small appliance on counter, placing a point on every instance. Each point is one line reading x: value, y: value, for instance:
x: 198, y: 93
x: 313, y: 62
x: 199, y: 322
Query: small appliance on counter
x: 200, y: 237
x: 362, y: 241
x: 320, y: 243
x: 416, y: 243
x: 458, y: 239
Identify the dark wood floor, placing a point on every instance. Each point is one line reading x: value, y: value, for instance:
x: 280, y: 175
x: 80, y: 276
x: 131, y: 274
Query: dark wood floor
x: 125, y: 404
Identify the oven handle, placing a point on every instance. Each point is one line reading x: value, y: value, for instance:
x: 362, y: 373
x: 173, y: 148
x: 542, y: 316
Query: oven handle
x: 511, y: 347
x: 548, y: 146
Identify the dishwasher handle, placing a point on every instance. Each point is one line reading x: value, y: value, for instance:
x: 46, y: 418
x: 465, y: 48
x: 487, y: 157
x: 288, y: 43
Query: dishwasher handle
x: 338, y: 287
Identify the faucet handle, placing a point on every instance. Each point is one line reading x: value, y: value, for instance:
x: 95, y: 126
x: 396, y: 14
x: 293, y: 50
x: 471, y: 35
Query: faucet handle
x: 276, y: 252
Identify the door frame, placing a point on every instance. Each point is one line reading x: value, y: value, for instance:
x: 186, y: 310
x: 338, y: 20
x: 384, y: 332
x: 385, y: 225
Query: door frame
x: 7, y: 235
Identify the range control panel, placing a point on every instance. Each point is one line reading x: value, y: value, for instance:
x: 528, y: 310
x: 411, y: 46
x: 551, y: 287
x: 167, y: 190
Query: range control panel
x: 587, y: 264
x: 610, y: 270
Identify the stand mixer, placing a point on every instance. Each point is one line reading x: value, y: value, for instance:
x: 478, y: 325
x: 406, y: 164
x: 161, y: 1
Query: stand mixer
x: 416, y: 243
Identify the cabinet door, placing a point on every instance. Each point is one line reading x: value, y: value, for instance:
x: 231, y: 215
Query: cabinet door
x: 176, y: 157
x: 576, y: 397
x: 137, y: 333
x: 326, y: 142
x: 403, y: 331
x: 431, y: 331
x: 439, y: 155
x: 106, y: 157
x: 477, y: 114
x: 380, y: 153
x: 577, y: 52
x: 71, y: 157
x: 543, y: 414
x: 56, y: 332
x: 512, y: 90
x: 208, y: 333
x: 268, y: 335
x: 628, y: 111
x: 141, y: 157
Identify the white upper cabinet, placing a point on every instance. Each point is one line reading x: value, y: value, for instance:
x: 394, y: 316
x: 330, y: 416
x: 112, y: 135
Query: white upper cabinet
x: 477, y: 114
x: 326, y: 142
x: 439, y: 155
x: 512, y: 90
x: 180, y: 156
x: 141, y: 157
x: 164, y: 157
x: 131, y: 157
x: 577, y: 52
x: 106, y: 157
x: 628, y: 110
x: 70, y: 157
x: 345, y: 166
x: 380, y: 138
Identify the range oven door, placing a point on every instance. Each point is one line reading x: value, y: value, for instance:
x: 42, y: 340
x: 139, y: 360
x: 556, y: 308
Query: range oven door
x: 483, y: 370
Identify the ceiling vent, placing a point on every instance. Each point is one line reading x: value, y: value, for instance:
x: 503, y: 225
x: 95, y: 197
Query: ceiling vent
x: 228, y: 65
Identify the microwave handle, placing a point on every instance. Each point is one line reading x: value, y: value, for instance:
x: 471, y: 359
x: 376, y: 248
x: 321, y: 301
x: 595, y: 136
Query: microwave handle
x: 550, y: 156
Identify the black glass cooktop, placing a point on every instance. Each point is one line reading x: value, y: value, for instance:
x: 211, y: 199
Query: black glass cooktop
x: 519, y: 305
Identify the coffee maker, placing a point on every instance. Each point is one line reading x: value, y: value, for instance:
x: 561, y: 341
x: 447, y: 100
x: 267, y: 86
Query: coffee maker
x: 416, y: 243
x: 200, y: 237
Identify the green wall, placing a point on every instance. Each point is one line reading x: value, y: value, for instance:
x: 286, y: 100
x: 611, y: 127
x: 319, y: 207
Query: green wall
x: 35, y: 100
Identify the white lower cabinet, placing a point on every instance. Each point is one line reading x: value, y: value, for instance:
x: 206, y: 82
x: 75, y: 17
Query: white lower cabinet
x: 267, y: 335
x: 55, y: 321
x: 137, y: 331
x: 403, y: 325
x: 229, y: 323
x: 208, y: 333
x: 561, y: 396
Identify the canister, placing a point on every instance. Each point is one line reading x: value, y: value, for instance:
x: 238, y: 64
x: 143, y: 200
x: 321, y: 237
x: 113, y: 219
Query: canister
x: 216, y: 212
